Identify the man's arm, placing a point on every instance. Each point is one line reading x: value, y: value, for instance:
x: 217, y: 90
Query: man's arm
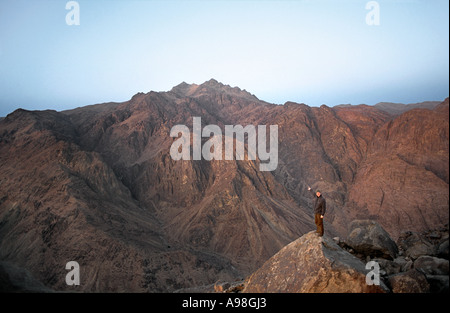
x: 324, y: 208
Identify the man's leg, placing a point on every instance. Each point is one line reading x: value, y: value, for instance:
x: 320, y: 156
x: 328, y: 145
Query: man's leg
x: 319, y: 224
x: 317, y: 221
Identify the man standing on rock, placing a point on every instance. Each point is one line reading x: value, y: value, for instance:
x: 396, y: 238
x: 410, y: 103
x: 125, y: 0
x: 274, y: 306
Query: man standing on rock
x: 320, y: 206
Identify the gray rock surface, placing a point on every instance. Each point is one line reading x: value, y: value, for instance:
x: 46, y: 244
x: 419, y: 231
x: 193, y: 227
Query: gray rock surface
x: 312, y: 264
x: 369, y: 238
x: 430, y: 265
x: 414, y: 245
x: 411, y: 281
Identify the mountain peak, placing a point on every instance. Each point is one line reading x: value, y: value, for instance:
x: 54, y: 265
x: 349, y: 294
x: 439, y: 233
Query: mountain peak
x: 210, y: 87
x: 213, y: 81
x: 184, y: 89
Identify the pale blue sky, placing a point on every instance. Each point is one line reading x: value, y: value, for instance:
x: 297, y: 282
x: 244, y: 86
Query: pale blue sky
x: 311, y: 51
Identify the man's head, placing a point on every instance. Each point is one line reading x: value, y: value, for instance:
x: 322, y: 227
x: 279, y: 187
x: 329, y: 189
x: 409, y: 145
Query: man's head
x: 318, y: 193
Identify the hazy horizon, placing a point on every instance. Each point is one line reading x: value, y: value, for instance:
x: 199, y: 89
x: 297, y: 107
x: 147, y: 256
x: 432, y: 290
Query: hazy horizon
x: 335, y: 105
x: 312, y: 52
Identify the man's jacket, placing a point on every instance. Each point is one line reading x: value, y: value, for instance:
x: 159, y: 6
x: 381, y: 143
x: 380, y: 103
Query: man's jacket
x: 320, y: 205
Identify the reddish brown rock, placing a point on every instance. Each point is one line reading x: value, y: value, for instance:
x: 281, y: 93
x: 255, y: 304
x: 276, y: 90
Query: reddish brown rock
x: 403, y: 180
x: 98, y: 184
x: 312, y: 264
x: 411, y: 281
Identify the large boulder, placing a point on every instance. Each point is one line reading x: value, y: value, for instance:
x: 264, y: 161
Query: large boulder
x: 443, y: 250
x: 415, y: 245
x: 412, y: 281
x: 430, y: 265
x: 368, y: 238
x: 312, y: 264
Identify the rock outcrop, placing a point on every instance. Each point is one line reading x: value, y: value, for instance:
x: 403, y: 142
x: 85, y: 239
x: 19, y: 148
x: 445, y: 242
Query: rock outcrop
x: 312, y: 264
x: 420, y: 262
x: 412, y: 281
x: 370, y: 239
x: 321, y: 264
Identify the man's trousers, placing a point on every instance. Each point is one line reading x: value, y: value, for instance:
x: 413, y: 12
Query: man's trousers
x: 319, y: 223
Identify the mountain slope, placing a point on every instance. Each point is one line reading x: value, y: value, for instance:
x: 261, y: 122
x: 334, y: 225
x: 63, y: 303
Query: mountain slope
x: 97, y: 185
x: 60, y: 204
x: 403, y: 180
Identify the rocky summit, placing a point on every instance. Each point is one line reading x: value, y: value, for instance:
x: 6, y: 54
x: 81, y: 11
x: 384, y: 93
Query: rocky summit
x: 312, y: 264
x: 370, y: 262
x: 97, y: 185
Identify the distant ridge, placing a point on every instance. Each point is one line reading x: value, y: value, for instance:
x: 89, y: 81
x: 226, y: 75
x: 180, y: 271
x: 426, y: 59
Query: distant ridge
x: 397, y: 108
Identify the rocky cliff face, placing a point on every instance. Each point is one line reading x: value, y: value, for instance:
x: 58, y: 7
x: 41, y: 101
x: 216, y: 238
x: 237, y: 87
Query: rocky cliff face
x: 97, y: 185
x: 403, y: 180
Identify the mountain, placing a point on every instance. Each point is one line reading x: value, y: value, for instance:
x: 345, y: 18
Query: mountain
x: 98, y: 185
x: 404, y: 178
x: 399, y: 108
